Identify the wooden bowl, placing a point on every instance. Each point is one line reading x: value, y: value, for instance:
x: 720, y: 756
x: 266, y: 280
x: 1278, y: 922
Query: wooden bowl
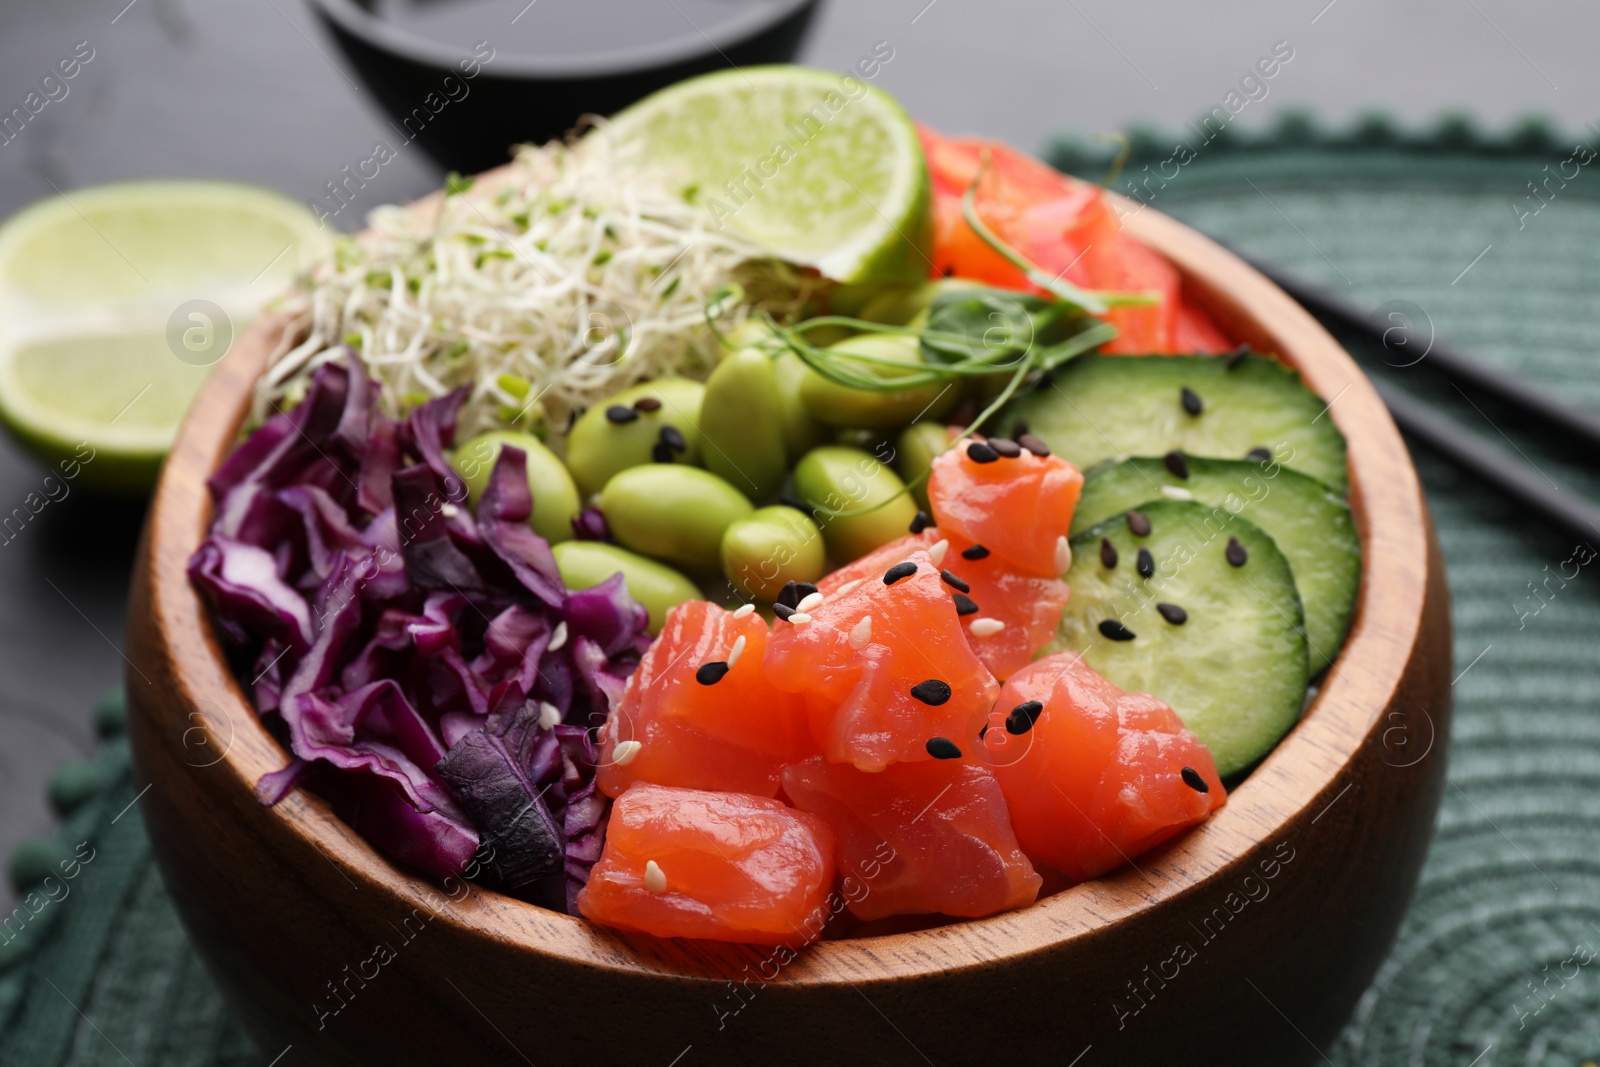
x: 1246, y: 940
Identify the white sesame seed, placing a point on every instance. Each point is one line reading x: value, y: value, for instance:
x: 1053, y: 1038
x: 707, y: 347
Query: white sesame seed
x: 1176, y: 492
x: 861, y: 633
x: 937, y: 550
x: 655, y: 879
x: 449, y: 511
x: 799, y: 618
x: 625, y: 752
x: 559, y: 638
x: 1063, y: 555
x: 549, y: 715
x: 847, y: 587
x: 985, y: 627
x: 735, y: 652
x: 810, y: 602
x: 743, y: 610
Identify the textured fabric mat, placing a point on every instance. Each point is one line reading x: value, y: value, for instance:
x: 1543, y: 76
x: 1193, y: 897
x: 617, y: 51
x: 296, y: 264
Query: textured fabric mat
x: 1498, y: 962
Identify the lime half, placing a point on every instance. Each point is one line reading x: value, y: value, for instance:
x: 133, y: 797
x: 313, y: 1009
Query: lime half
x: 116, y: 300
x: 820, y: 168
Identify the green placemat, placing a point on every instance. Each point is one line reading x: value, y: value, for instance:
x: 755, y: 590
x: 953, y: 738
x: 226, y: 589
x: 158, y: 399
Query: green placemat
x: 1498, y: 962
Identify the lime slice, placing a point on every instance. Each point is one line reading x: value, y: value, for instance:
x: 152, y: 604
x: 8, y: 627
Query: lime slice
x: 821, y: 168
x: 116, y: 300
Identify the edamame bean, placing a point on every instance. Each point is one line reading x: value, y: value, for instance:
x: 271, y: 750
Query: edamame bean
x: 852, y: 298
x: 741, y: 428
x: 751, y: 333
x: 772, y: 547
x: 841, y: 405
x: 655, y: 585
x: 619, y: 432
x: 555, y: 497
x: 801, y: 432
x: 878, y: 442
x: 676, y: 514
x: 857, y: 500
x: 894, y: 305
x: 919, y: 444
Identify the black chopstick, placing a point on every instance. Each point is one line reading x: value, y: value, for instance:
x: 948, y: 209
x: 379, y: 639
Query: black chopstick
x: 1515, y: 478
x: 1538, y: 404
x: 1518, y: 479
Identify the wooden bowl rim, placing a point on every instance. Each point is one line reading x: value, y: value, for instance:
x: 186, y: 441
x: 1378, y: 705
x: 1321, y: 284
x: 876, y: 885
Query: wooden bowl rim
x: 1295, y: 779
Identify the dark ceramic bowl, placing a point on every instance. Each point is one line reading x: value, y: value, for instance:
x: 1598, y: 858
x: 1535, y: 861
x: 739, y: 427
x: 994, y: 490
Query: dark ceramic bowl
x: 467, y: 101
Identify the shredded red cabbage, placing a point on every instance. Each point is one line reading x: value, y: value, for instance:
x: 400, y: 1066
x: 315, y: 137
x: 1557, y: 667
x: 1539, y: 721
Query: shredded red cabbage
x: 423, y: 664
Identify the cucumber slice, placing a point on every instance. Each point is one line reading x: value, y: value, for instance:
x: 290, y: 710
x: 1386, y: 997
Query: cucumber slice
x: 1111, y: 407
x: 1310, y: 523
x: 1235, y: 668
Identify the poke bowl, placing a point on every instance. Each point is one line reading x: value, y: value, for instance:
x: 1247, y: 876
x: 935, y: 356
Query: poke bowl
x: 621, y: 786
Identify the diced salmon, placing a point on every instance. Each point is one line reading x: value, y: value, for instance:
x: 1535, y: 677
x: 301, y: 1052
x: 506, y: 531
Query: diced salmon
x: 1027, y: 606
x: 696, y: 725
x: 718, y: 866
x: 885, y: 669
x: 1100, y: 776
x: 918, y: 838
x: 1019, y: 508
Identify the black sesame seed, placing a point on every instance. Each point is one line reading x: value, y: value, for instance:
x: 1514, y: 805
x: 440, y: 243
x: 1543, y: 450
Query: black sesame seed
x: 660, y: 453
x: 647, y: 404
x: 920, y: 521
x: 1177, y: 464
x: 782, y: 611
x: 943, y: 748
x: 1033, y: 444
x: 1236, y: 553
x: 979, y: 452
x: 1113, y: 630
x: 899, y: 571
x: 1260, y: 455
x: 965, y: 605
x: 975, y: 552
x: 954, y: 582
x: 983, y: 732
x: 1238, y: 356
x: 932, y: 692
x: 1019, y: 430
x: 711, y: 673
x: 1192, y: 779
x: 1138, y: 525
x: 789, y: 595
x: 672, y: 437
x: 1023, y: 716
x: 1173, y: 614
x: 803, y: 590
x: 1008, y: 449
x: 1108, y: 554
x: 1190, y: 400
x: 620, y: 413
x: 1146, y: 563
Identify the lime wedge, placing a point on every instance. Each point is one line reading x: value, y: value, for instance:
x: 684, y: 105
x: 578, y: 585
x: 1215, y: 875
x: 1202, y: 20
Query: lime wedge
x: 821, y: 168
x: 116, y: 300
